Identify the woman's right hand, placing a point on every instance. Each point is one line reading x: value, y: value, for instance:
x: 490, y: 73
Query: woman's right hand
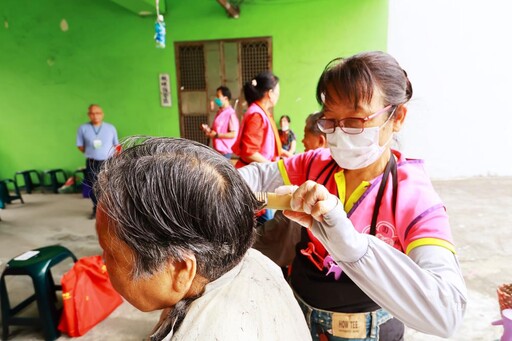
x: 325, y: 217
x: 313, y: 200
x: 206, y: 129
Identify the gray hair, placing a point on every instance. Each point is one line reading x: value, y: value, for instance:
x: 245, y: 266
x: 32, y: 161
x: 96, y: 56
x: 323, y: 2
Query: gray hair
x: 311, y: 123
x: 169, y: 197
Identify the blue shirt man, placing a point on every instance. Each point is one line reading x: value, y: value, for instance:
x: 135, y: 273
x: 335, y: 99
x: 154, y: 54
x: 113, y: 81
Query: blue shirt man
x: 97, y: 140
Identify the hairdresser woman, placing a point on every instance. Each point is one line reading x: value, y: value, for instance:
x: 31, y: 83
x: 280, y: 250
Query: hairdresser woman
x: 258, y: 139
x: 377, y: 251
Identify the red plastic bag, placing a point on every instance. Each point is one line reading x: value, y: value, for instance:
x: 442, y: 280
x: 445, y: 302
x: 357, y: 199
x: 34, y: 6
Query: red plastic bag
x: 87, y: 295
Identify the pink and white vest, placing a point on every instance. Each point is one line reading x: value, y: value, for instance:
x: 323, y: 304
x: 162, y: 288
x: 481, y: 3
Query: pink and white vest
x: 221, y: 125
x: 268, y: 147
x: 420, y: 217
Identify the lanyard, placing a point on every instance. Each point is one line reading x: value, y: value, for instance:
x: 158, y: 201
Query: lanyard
x: 96, y: 132
x: 331, y: 164
x: 390, y: 168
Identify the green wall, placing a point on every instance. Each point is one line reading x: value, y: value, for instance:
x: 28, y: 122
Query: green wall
x: 107, y: 56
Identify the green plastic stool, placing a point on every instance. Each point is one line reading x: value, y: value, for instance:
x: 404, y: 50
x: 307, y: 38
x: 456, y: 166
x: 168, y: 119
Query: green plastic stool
x: 38, y: 268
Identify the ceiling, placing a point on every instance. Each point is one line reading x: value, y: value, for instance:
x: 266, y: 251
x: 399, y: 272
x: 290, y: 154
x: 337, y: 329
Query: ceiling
x: 142, y: 7
x: 148, y: 7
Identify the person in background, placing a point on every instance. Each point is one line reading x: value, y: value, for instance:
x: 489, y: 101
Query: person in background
x: 224, y: 130
x: 258, y: 139
x: 186, y: 249
x: 287, y: 137
x: 313, y: 137
x: 377, y: 250
x: 97, y: 140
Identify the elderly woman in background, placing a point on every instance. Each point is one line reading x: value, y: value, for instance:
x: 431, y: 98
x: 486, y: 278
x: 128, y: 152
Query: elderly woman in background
x: 181, y: 243
x: 313, y: 137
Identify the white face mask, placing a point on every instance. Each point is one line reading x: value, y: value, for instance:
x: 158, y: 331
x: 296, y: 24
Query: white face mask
x: 356, y: 151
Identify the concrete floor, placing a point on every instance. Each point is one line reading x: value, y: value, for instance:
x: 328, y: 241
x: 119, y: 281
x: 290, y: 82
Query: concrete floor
x: 480, y: 212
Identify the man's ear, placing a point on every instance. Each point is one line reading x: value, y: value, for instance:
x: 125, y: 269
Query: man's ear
x: 183, y: 274
x: 400, y: 114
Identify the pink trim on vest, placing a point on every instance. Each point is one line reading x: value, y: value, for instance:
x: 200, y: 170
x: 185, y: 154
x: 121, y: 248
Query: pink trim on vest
x: 268, y: 147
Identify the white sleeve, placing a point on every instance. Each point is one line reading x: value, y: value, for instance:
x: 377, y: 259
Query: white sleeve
x: 425, y: 290
x: 262, y: 176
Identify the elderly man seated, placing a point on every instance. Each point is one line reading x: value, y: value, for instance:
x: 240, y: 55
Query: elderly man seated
x: 176, y: 223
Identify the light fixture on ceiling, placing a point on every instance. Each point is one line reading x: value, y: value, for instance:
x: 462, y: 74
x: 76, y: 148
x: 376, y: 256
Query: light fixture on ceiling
x: 232, y: 10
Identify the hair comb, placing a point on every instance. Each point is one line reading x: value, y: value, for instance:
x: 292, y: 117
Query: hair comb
x: 275, y: 201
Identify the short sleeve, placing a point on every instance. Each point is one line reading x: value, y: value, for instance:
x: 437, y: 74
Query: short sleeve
x: 80, y: 137
x: 297, y: 166
x: 116, y: 139
x: 429, y: 228
x: 316, y: 165
x: 423, y: 219
x: 233, y: 123
x: 292, y: 136
x: 252, y: 138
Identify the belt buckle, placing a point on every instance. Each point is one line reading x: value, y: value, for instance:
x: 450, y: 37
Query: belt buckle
x: 350, y: 326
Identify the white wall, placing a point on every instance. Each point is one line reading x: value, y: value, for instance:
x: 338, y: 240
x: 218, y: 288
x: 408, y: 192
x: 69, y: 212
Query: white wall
x: 458, y: 57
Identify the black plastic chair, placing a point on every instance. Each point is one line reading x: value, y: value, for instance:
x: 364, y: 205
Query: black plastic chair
x: 38, y: 268
x: 6, y: 196
x: 32, y: 179
x: 57, y: 178
x: 77, y: 179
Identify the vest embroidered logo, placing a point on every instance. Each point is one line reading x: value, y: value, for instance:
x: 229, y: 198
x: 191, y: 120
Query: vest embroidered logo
x: 386, y: 232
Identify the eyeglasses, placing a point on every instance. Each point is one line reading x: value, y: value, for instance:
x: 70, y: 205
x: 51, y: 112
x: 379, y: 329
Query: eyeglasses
x: 350, y: 125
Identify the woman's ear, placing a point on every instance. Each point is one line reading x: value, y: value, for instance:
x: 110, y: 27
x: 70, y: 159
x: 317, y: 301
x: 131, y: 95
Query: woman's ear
x: 400, y: 114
